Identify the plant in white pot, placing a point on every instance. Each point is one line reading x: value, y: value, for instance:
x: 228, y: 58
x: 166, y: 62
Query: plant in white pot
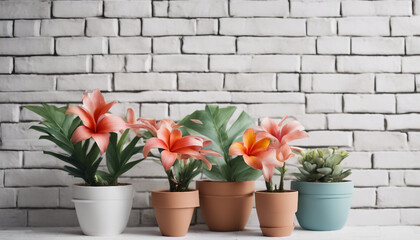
x: 103, y: 205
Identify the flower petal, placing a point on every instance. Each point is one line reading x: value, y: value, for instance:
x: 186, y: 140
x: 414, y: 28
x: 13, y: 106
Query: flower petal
x: 101, y: 110
x: 81, y: 133
x: 237, y: 148
x: 102, y: 140
x: 294, y: 136
x: 210, y: 152
x: 131, y: 117
x: 291, y: 127
x: 253, y: 161
x: 260, y: 146
x: 268, y: 172
x: 249, y: 138
x: 111, y: 123
x: 153, y: 143
x: 85, y: 116
x: 194, y: 154
x: 270, y: 126
x: 164, y: 134
x: 175, y: 136
x: 187, y: 141
x: 168, y: 158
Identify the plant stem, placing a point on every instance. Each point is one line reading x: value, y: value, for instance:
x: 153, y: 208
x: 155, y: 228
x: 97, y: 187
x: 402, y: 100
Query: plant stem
x: 269, y: 186
x: 283, y: 172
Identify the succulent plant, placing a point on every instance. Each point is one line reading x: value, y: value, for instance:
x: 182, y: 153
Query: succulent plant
x: 322, y: 165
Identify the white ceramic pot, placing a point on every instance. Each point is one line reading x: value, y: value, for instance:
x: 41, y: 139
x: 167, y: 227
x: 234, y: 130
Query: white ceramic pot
x: 103, y: 210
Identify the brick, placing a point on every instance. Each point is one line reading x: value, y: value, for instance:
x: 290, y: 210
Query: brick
x: 6, y: 65
x: 81, y: 45
x: 274, y: 110
x: 162, y: 27
x: 24, y: 9
x: 148, y: 185
x: 276, y: 45
x: 154, y: 111
x: 364, y: 197
x: 314, y: 9
x: 128, y: 9
x: 141, y: 200
x: 323, y: 103
x: 312, y: 121
x: 363, y: 83
x: 321, y: 27
x: 333, y: 45
x: 148, y: 218
x: 405, y: 103
x: 77, y: 9
x: 414, y: 140
x: 166, y: 45
x: 265, y: 97
x: 259, y: 8
x: 376, y: 8
x: 409, y: 64
x: 27, y: 28
x: 52, y: 217
x: 364, y: 64
x: 26, y: 46
x: 84, y: 82
x: 369, y: 178
x: 134, y: 218
x: 396, y: 178
x: 63, y: 27
x: 74, y: 64
x: 37, y: 159
x: 10, y: 159
x: 65, y: 198
x: 403, y: 121
x: 406, y: 160
x: 101, y: 27
x: 145, y: 81
x: 377, y: 46
x: 36, y: 177
x: 38, y: 197
x: 26, y: 115
x: 262, y: 26
x: 262, y: 63
x: 138, y: 63
x: 160, y: 8
x: 412, y: 178
x: 209, y: 44
x: 318, y: 63
x: 9, y: 113
x: 26, y: 83
x: 358, y: 160
x: 121, y: 108
x: 410, y: 216
x: 1, y: 180
x: 395, y: 83
x: 364, y: 26
x: 8, y: 198
x: 250, y: 82
x: 130, y: 45
x: 6, y: 28
x: 130, y: 27
x: 288, y: 82
x: 398, y: 196
x: 405, y: 26
x: 167, y: 63
x: 108, y: 63
x: 380, y: 141
x: 190, y: 9
x: 207, y: 26
x: 13, y: 217
x: 147, y: 168
x: 375, y: 217
x: 412, y: 45
x: 325, y: 139
x: 179, y: 111
x: 356, y: 121
x: 37, y: 97
x: 200, y: 81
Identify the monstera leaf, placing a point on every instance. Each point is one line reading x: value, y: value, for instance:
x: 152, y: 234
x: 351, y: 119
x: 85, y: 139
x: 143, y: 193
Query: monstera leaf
x: 213, y: 124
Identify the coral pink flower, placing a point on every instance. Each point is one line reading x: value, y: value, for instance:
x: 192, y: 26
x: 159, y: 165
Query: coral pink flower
x: 175, y: 146
x: 256, y: 151
x: 152, y: 126
x: 96, y: 122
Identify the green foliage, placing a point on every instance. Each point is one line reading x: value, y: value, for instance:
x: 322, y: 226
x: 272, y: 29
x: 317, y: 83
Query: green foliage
x: 322, y: 165
x: 215, y: 127
x: 182, y: 173
x: 83, y: 158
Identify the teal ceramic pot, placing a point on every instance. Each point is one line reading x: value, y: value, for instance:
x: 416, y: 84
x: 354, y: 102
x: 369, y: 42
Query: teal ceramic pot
x: 323, y: 206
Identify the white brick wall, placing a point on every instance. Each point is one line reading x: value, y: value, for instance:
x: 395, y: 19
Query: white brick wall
x: 346, y: 69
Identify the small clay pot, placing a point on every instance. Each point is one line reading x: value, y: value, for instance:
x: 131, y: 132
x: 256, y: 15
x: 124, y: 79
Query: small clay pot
x: 226, y: 206
x: 276, y: 212
x: 174, y: 211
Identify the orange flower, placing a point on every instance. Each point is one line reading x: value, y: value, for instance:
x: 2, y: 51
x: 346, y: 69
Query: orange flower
x: 175, y: 146
x: 256, y: 151
x: 96, y: 122
x: 152, y: 126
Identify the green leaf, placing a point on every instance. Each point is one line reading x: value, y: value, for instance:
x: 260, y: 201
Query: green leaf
x: 62, y: 145
x: 112, y: 156
x: 325, y: 170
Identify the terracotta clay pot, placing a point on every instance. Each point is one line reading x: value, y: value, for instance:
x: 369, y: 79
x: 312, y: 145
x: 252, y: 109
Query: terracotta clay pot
x: 226, y: 206
x: 174, y: 211
x: 276, y: 212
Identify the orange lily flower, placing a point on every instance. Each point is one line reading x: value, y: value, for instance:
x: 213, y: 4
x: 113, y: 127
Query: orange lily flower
x: 96, y: 122
x: 256, y: 151
x: 175, y: 146
x: 132, y: 122
x: 152, y: 126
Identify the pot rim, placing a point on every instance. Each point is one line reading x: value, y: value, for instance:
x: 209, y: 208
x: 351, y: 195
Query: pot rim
x: 329, y: 183
x: 167, y: 191
x: 212, y: 181
x: 79, y: 185
x: 286, y: 192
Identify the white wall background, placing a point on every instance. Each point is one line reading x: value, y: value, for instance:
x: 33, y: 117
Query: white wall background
x: 346, y: 69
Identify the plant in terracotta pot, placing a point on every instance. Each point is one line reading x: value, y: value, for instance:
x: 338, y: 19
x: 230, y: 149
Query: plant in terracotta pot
x: 226, y: 202
x: 324, y: 195
x: 178, y: 154
x: 103, y: 205
x: 266, y: 148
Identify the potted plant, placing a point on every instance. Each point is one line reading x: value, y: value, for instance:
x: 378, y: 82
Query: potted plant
x: 103, y: 204
x: 226, y: 202
x: 266, y: 148
x: 178, y: 154
x: 324, y: 195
